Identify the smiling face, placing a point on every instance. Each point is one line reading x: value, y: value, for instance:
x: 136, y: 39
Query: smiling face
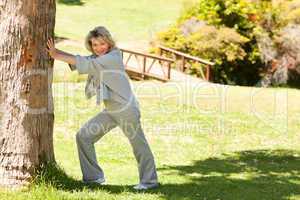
x: 99, y: 46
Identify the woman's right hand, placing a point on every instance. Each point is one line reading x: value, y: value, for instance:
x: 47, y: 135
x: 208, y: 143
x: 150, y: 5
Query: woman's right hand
x: 51, y: 48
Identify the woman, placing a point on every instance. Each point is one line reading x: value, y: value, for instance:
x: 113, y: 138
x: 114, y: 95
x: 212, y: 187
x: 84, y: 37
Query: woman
x: 107, y: 80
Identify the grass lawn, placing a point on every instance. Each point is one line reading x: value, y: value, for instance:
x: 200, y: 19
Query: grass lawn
x: 127, y: 20
x: 210, y: 142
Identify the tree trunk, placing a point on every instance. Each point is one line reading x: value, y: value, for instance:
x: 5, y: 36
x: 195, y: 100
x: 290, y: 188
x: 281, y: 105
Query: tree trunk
x: 26, y: 103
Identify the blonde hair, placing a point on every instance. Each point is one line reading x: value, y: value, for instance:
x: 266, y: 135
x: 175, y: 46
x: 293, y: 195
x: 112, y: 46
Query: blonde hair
x: 99, y: 32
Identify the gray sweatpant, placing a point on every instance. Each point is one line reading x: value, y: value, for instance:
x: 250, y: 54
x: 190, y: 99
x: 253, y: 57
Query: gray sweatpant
x: 128, y: 119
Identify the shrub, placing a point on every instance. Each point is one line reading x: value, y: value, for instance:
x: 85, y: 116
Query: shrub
x: 233, y: 34
x: 219, y: 31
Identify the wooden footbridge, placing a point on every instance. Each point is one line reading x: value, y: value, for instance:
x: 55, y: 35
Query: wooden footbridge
x: 142, y: 66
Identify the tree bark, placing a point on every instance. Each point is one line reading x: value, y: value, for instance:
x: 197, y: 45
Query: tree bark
x: 26, y: 103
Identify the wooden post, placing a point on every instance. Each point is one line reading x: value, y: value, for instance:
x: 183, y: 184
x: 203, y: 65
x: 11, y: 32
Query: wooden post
x: 169, y: 70
x: 207, y: 72
x: 183, y: 64
x: 144, y: 67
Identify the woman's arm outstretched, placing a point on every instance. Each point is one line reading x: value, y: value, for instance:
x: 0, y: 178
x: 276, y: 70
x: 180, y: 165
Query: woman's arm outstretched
x: 58, y: 54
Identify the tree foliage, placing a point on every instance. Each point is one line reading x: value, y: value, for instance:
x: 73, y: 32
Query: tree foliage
x: 229, y: 33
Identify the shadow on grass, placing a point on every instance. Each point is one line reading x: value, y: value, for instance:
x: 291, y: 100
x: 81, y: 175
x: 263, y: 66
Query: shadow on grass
x: 71, y: 2
x: 53, y: 175
x: 248, y: 175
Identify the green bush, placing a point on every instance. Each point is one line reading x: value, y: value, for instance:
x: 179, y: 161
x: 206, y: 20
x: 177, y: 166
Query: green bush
x: 226, y: 31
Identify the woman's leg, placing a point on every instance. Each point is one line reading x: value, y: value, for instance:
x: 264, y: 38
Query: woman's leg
x: 129, y: 121
x: 90, y: 133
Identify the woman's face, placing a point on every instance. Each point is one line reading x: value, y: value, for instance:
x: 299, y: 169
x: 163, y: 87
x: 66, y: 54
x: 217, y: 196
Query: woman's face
x: 99, y: 46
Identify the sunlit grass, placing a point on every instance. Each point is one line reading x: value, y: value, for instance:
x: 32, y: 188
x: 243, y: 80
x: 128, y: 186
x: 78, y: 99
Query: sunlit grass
x: 202, y: 150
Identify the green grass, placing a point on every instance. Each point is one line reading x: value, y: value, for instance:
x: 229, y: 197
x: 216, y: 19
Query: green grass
x: 203, y: 149
x: 128, y: 20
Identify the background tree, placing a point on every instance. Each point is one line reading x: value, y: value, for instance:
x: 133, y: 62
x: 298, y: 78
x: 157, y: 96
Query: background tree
x: 26, y: 119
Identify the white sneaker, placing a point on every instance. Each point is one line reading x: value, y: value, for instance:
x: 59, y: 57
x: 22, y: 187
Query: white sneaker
x: 98, y: 181
x: 145, y: 186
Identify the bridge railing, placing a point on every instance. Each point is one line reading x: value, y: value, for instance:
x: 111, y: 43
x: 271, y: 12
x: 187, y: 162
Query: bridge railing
x: 177, y: 55
x: 145, y: 63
